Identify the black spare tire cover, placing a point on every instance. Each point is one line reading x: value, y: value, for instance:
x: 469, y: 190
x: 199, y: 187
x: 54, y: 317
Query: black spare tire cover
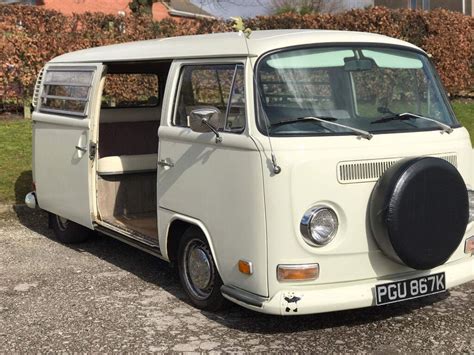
x: 419, y: 211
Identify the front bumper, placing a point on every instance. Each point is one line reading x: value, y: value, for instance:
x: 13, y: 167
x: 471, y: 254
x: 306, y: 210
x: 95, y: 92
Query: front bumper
x: 340, y: 296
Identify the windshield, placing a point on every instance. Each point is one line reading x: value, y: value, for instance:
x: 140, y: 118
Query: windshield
x: 353, y: 86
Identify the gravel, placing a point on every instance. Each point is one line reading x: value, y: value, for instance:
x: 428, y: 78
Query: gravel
x: 106, y: 296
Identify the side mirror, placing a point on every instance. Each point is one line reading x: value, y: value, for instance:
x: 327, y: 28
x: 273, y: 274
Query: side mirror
x: 206, y: 119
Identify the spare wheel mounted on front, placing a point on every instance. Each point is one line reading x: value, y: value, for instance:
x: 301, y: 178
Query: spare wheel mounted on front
x: 419, y: 211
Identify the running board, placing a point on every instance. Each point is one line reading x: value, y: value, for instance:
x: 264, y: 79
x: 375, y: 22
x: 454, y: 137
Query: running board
x: 129, y: 233
x: 149, y: 248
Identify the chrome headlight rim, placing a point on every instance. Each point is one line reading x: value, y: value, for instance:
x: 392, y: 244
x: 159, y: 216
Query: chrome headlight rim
x: 305, y: 225
x: 470, y: 197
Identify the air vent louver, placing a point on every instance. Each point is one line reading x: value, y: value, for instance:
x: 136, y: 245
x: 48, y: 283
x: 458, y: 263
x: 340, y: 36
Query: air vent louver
x: 36, y: 93
x: 370, y: 170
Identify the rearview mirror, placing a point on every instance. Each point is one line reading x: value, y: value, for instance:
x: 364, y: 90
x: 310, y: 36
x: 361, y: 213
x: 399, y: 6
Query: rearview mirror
x: 359, y: 64
x: 206, y: 119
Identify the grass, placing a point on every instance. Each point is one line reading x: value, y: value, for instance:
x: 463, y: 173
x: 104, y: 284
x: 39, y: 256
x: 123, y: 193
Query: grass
x: 15, y: 152
x: 15, y: 160
x: 465, y: 113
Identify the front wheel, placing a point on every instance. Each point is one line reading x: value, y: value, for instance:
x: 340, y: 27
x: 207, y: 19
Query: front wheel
x: 198, y: 273
x: 68, y: 232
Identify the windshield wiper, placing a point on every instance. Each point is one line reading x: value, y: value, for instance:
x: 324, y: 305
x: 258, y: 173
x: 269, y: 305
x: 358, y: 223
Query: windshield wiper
x: 302, y: 119
x: 407, y: 115
x: 329, y: 120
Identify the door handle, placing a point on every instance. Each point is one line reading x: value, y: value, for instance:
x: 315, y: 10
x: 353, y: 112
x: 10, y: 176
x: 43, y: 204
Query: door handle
x: 166, y: 163
x: 82, y: 149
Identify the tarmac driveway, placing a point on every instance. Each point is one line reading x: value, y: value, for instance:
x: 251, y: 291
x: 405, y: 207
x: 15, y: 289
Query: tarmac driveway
x: 106, y: 296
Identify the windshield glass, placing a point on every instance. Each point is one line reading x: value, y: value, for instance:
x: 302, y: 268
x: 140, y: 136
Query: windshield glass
x: 353, y: 86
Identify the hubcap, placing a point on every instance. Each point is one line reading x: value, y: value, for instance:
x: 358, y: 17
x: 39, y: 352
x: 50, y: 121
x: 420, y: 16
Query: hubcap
x: 198, y: 269
x: 62, y: 223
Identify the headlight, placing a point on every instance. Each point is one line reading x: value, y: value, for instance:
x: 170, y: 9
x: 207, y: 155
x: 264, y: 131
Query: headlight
x: 470, y: 194
x: 319, y: 226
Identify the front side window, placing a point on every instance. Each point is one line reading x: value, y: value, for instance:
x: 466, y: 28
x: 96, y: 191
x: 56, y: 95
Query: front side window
x: 219, y: 86
x: 66, y: 91
x: 370, y: 89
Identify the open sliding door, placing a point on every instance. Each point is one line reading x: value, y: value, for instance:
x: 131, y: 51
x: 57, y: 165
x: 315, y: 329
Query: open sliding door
x: 62, y: 139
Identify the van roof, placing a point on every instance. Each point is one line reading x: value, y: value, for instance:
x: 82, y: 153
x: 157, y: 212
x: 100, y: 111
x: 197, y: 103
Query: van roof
x: 229, y: 44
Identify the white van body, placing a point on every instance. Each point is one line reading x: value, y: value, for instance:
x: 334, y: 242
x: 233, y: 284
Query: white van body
x: 247, y: 191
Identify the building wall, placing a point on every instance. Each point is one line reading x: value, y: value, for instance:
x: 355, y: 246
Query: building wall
x: 110, y: 7
x: 392, y: 4
x: 159, y: 11
x: 353, y: 4
x: 453, y: 5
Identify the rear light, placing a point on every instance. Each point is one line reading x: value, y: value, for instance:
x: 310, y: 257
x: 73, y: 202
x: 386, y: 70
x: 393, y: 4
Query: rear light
x: 33, y: 186
x: 469, y: 246
x: 298, y: 272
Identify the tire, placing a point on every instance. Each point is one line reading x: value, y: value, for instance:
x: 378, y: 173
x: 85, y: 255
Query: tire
x: 419, y: 212
x: 198, y: 273
x: 68, y: 232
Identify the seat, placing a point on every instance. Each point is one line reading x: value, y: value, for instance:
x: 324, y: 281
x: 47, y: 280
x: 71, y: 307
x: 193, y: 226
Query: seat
x: 127, y: 164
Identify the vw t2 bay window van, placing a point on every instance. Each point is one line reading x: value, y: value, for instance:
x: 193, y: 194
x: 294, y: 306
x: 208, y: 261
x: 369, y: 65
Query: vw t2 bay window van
x: 290, y: 172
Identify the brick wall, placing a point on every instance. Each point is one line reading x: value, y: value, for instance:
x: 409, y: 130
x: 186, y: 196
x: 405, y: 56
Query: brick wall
x: 110, y: 7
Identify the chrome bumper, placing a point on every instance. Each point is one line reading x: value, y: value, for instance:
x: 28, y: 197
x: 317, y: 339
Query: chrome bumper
x: 339, y: 296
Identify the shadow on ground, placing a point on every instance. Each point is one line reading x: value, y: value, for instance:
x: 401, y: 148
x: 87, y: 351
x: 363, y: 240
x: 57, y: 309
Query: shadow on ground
x: 23, y: 186
x: 157, y: 272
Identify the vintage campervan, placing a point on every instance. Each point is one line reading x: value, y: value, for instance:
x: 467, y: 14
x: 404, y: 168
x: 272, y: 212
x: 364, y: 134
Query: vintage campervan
x: 290, y: 172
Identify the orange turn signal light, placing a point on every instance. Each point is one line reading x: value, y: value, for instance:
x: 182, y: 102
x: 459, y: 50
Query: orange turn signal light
x: 469, y: 246
x: 245, y: 267
x: 299, y: 272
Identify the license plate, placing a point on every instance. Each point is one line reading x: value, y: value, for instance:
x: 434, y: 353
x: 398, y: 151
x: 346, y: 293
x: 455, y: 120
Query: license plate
x: 408, y: 289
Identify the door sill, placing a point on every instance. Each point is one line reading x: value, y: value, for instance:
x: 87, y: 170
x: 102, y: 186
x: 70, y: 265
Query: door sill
x: 133, y: 239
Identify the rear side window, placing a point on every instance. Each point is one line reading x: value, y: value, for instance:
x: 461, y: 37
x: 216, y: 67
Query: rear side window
x: 66, y: 91
x: 220, y: 86
x: 130, y: 90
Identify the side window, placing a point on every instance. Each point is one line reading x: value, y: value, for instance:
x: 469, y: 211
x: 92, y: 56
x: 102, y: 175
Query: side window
x: 130, y: 90
x: 66, y: 91
x: 220, y: 86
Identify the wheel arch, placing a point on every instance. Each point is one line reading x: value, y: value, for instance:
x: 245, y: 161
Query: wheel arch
x: 177, y: 225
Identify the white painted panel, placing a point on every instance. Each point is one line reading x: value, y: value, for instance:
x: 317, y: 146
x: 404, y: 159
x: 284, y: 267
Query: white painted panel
x: 218, y: 184
x: 309, y: 177
x: 63, y: 173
